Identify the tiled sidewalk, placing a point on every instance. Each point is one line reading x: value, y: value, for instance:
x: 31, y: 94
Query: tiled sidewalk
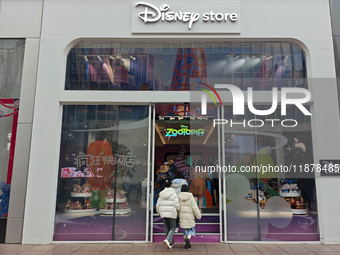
x: 158, y: 248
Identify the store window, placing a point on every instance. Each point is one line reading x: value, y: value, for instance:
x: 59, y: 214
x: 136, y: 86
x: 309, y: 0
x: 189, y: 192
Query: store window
x: 97, y: 186
x: 102, y: 171
x: 11, y: 64
x: 160, y: 66
x: 271, y: 196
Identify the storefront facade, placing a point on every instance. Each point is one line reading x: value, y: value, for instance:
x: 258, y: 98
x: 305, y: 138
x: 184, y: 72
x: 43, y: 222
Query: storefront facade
x: 114, y: 96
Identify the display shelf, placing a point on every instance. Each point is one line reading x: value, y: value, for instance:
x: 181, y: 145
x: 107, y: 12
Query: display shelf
x: 80, y: 211
x: 300, y: 211
x: 81, y: 194
x: 118, y: 200
x: 290, y: 194
x: 118, y: 211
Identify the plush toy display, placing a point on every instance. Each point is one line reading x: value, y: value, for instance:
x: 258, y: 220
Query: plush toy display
x: 87, y: 204
x: 82, y: 195
x: 293, y: 186
x: 110, y: 194
x: 122, y: 205
x: 289, y: 186
x: 252, y: 195
x: 285, y: 186
x: 291, y: 193
x: 68, y: 204
x: 86, y: 188
x: 78, y: 206
x: 77, y: 189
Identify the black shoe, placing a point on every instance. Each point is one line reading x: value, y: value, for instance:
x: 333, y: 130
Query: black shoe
x: 187, y: 243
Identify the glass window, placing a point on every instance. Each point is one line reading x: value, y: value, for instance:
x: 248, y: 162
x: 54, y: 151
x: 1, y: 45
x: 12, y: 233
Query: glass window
x: 270, y: 197
x: 181, y: 66
x: 277, y: 206
x: 102, y: 173
x: 11, y: 64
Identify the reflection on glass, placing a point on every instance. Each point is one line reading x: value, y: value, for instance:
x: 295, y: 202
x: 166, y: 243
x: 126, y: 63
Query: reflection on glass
x: 270, y: 157
x: 242, y: 215
x: 102, y: 169
x: 11, y: 65
x: 168, y: 66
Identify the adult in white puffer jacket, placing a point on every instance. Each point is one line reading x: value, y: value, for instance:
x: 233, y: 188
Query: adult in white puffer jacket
x: 167, y: 207
x: 187, y: 213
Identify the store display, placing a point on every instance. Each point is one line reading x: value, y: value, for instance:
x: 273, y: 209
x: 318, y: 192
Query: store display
x: 290, y: 192
x: 77, y: 206
x: 122, y: 205
x: 252, y: 195
x: 81, y: 191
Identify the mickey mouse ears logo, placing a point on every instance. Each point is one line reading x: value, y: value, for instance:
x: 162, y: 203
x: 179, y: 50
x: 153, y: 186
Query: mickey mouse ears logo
x: 243, y: 214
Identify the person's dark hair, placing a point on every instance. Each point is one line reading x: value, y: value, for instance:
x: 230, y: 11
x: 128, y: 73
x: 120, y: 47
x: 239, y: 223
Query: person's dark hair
x: 167, y: 184
x: 185, y: 188
x: 179, y: 175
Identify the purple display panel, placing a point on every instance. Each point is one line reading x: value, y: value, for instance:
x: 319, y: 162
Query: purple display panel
x: 301, y: 228
x: 99, y: 228
x: 206, y: 228
x: 211, y: 219
x: 197, y: 239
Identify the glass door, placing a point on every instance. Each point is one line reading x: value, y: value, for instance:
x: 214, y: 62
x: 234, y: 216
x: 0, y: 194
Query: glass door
x: 186, y: 144
x: 103, y: 173
x: 266, y: 196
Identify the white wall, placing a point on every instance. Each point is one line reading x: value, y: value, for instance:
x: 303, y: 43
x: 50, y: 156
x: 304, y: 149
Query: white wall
x: 305, y: 21
x: 22, y: 19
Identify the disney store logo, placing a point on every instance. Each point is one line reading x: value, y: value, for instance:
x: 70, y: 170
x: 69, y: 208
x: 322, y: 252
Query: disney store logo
x: 153, y: 14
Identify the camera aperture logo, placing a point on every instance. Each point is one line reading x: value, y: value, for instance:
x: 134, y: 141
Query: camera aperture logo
x: 238, y: 104
x: 183, y: 131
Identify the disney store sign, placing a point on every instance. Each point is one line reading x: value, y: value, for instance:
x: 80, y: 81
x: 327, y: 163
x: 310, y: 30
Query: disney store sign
x: 153, y: 14
x: 163, y: 18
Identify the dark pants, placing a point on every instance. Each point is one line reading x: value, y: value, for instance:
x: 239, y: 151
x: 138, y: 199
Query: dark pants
x: 169, y: 229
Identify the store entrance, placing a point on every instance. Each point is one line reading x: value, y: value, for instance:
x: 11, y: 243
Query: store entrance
x: 183, y: 143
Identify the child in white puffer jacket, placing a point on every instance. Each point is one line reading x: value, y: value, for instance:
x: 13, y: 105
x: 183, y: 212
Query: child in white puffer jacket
x: 167, y: 206
x: 177, y: 184
x: 187, y: 213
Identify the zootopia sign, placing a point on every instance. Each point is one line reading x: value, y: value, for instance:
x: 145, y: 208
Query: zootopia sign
x: 184, y: 131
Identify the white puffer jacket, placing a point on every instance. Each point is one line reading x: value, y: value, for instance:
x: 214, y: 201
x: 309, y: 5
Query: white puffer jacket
x: 188, y: 211
x: 168, y: 204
